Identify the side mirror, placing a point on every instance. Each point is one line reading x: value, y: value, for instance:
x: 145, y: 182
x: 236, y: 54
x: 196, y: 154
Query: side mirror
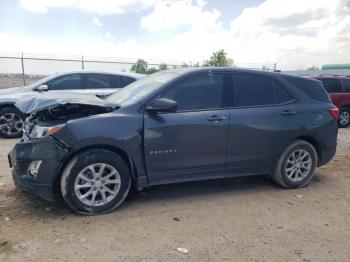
x: 42, y: 88
x: 162, y: 105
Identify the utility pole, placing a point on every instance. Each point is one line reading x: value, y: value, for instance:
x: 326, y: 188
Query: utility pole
x: 23, y: 75
x: 82, y: 62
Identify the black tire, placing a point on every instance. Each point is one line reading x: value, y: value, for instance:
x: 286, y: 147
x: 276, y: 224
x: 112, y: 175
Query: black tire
x: 82, y: 161
x: 344, y: 121
x: 280, y: 175
x: 13, y: 130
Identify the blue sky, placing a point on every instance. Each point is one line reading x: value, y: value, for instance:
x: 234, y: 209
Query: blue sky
x: 72, y: 23
x: 293, y: 33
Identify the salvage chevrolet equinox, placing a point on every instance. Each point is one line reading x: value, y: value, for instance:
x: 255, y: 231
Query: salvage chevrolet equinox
x: 174, y: 126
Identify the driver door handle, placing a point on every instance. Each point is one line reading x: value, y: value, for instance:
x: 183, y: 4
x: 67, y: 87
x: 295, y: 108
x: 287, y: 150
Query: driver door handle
x: 288, y: 112
x: 216, y: 118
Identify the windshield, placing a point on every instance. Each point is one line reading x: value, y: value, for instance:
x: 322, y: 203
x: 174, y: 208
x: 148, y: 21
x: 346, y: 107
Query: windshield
x: 140, y: 88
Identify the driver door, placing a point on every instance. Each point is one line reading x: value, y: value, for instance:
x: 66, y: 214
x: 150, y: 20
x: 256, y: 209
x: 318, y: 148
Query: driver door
x: 188, y: 144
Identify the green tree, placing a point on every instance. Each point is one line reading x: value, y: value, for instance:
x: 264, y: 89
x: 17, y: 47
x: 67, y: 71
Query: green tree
x: 151, y: 70
x: 218, y: 58
x: 184, y: 65
x: 140, y: 67
x: 313, y: 68
x: 163, y: 66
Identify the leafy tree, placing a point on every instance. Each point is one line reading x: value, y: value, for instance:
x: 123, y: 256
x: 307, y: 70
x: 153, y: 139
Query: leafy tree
x: 313, y: 68
x: 265, y: 68
x: 218, y: 58
x: 151, y: 70
x: 163, y: 66
x: 184, y: 65
x: 140, y: 67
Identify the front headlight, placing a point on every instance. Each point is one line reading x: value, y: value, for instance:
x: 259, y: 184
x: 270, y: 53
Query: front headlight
x: 42, y: 131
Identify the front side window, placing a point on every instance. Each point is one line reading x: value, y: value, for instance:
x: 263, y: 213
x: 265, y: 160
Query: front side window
x: 65, y: 82
x: 346, y: 83
x: 98, y: 81
x: 200, y: 92
x: 331, y: 85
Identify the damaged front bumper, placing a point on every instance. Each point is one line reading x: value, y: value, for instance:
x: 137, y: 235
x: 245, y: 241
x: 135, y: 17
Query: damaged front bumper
x: 49, y: 153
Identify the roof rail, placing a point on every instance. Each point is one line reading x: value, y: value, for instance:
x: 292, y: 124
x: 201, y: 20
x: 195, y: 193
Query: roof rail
x: 333, y: 75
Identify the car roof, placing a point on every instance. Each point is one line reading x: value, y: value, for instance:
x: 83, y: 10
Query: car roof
x: 117, y: 73
x: 331, y: 76
x: 230, y: 69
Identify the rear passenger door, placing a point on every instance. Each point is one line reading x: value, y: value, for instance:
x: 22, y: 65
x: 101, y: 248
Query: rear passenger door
x: 261, y: 119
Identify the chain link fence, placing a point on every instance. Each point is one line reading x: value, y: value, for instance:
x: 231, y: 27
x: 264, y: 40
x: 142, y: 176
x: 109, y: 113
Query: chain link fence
x: 18, y: 69
x: 30, y: 67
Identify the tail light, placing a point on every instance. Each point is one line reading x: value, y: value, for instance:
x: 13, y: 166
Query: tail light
x: 334, y: 113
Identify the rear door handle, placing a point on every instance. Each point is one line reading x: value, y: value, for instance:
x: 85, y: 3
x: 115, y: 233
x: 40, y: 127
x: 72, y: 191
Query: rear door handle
x: 216, y: 118
x: 288, y: 112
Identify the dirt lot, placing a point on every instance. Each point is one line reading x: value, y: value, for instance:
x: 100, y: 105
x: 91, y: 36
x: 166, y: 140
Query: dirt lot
x: 12, y: 80
x: 243, y: 219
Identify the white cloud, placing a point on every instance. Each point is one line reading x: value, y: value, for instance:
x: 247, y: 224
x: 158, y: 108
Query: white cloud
x: 293, y: 33
x: 168, y: 15
x: 109, y: 35
x: 97, y: 22
x: 100, y: 7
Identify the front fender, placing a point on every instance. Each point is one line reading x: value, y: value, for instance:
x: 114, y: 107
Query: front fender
x: 123, y: 132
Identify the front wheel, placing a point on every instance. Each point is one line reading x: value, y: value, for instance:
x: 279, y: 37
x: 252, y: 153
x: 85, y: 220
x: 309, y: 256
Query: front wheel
x: 344, y: 117
x: 95, y: 181
x: 296, y: 165
x: 11, y: 122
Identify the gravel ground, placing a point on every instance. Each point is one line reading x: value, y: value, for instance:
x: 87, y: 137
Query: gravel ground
x: 241, y: 219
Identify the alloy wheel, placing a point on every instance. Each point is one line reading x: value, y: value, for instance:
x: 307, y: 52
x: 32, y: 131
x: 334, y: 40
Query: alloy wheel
x: 97, y: 184
x: 344, y: 118
x: 11, y: 124
x: 298, y: 165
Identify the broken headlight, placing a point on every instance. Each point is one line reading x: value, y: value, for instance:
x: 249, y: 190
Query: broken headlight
x: 42, y: 131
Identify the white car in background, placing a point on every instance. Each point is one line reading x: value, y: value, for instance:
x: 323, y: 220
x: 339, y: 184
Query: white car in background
x: 77, y: 82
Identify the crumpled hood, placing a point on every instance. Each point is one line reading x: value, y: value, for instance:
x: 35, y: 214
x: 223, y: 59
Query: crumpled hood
x: 40, y: 102
x: 14, y: 93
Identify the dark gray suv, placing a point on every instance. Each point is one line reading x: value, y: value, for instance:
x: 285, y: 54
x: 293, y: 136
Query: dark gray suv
x: 174, y: 126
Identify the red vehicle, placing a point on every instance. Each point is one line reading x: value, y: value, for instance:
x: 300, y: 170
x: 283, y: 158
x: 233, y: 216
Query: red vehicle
x: 338, y: 88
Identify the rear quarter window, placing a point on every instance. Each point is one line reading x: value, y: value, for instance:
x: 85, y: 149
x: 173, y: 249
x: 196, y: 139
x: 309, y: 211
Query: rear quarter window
x: 310, y: 87
x: 346, y: 83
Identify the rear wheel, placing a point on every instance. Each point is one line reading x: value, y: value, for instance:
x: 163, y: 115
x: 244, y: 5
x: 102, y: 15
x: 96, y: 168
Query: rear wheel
x: 296, y: 165
x: 95, y: 181
x: 344, y: 117
x: 11, y: 122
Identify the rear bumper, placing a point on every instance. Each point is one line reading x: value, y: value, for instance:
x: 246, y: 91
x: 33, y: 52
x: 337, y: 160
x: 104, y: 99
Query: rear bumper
x: 50, y: 153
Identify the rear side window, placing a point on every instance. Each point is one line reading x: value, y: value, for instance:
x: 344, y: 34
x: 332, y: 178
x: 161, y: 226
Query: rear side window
x: 98, y: 81
x: 331, y: 85
x: 127, y: 80
x: 346, y: 83
x: 281, y: 94
x: 121, y: 81
x: 201, y: 92
x: 310, y: 87
x: 253, y: 90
